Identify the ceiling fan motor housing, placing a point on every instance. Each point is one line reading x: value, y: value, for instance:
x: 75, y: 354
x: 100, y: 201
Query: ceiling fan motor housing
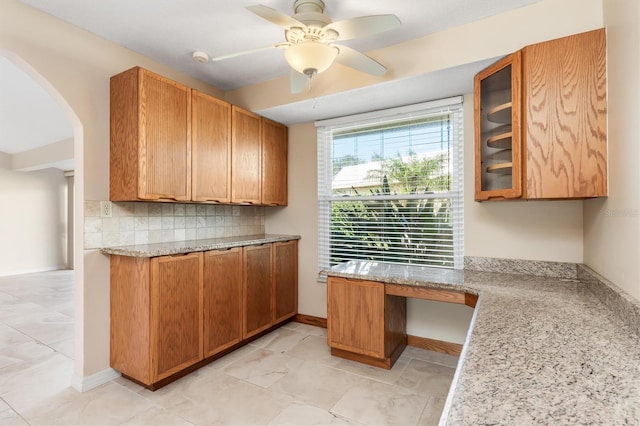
x: 310, y: 13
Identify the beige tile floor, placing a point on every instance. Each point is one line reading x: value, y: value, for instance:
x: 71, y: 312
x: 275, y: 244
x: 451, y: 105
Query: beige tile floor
x: 287, y: 377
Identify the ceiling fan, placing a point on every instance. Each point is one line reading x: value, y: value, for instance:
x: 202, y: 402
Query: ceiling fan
x: 310, y: 38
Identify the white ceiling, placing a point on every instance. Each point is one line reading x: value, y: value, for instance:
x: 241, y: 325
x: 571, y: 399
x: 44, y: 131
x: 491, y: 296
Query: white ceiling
x: 29, y: 117
x: 168, y: 31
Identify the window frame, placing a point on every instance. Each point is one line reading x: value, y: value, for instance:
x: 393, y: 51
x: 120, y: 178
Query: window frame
x: 325, y: 131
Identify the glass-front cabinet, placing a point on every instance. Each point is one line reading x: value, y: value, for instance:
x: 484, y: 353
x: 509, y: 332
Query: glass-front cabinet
x: 497, y: 104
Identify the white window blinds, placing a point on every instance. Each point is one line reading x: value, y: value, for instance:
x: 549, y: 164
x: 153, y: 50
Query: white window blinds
x: 390, y: 186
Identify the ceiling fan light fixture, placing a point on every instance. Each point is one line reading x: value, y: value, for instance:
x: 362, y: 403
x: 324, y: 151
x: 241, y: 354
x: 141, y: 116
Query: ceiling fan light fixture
x: 310, y: 57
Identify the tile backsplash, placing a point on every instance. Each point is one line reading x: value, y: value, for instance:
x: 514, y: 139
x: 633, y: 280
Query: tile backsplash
x: 142, y: 223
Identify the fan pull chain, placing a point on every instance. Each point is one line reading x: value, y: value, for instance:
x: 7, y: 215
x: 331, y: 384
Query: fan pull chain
x: 310, y: 88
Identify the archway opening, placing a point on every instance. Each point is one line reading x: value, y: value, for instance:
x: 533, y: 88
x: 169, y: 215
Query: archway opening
x: 48, y: 163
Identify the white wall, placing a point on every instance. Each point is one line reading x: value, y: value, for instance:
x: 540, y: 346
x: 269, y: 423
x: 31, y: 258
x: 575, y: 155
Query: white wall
x: 5, y: 161
x: 33, y: 221
x: 300, y: 217
x: 612, y: 225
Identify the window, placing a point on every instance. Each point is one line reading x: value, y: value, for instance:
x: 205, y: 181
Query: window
x: 390, y: 186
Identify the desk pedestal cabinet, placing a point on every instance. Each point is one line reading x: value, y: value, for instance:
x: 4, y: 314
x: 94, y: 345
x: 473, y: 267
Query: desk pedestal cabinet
x: 363, y: 323
x: 367, y: 320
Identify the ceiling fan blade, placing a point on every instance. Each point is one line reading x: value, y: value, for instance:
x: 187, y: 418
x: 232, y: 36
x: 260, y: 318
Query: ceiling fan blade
x: 359, y: 61
x: 363, y: 26
x: 246, y: 52
x: 297, y: 81
x: 275, y: 17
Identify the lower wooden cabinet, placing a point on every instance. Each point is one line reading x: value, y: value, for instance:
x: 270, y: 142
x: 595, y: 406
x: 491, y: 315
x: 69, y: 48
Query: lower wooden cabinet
x: 222, y: 299
x: 363, y: 323
x: 270, y: 285
x: 176, y: 313
x: 285, y: 280
x: 170, y: 313
x: 156, y: 315
x: 257, y: 287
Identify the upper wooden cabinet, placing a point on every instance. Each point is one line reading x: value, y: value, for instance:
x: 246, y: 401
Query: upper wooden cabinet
x: 540, y: 122
x: 173, y: 143
x: 274, y: 163
x: 211, y: 148
x: 150, y: 136
x: 497, y: 125
x: 246, y: 155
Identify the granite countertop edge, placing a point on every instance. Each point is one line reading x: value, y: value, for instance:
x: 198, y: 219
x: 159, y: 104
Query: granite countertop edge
x: 189, y: 246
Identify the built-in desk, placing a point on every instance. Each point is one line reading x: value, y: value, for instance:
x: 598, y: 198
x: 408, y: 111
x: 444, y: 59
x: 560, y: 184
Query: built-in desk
x: 367, y: 320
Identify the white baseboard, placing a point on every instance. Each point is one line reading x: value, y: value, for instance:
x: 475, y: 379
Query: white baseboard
x: 85, y: 383
x: 32, y: 271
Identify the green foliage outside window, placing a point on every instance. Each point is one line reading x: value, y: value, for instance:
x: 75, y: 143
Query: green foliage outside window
x: 415, y: 230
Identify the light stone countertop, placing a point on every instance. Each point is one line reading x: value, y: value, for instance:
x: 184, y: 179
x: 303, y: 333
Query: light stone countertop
x: 539, y: 350
x: 178, y: 247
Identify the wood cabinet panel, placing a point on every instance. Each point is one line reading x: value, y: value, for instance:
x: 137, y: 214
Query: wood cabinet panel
x: 172, y: 143
x: 554, y: 141
x: 257, y: 289
x: 395, y: 325
x: 150, y: 137
x: 124, y: 137
x: 497, y: 138
x: 176, y: 313
x: 246, y: 157
x: 565, y: 117
x: 211, y: 148
x: 285, y: 280
x: 130, y: 323
x: 355, y: 316
x: 222, y: 299
x: 274, y: 163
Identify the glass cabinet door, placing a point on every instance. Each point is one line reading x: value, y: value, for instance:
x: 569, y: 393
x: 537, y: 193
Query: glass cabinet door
x: 497, y: 106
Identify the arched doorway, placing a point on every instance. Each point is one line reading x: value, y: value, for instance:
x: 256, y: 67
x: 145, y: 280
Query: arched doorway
x: 76, y: 197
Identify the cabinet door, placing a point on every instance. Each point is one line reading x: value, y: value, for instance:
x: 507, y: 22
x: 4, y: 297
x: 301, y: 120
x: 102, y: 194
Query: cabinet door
x: 355, y: 316
x: 257, y: 289
x: 211, y: 147
x: 246, y: 155
x: 176, y: 313
x: 222, y: 299
x: 274, y: 163
x: 566, y: 117
x: 285, y: 277
x: 164, y: 160
x: 129, y: 320
x: 497, y: 106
